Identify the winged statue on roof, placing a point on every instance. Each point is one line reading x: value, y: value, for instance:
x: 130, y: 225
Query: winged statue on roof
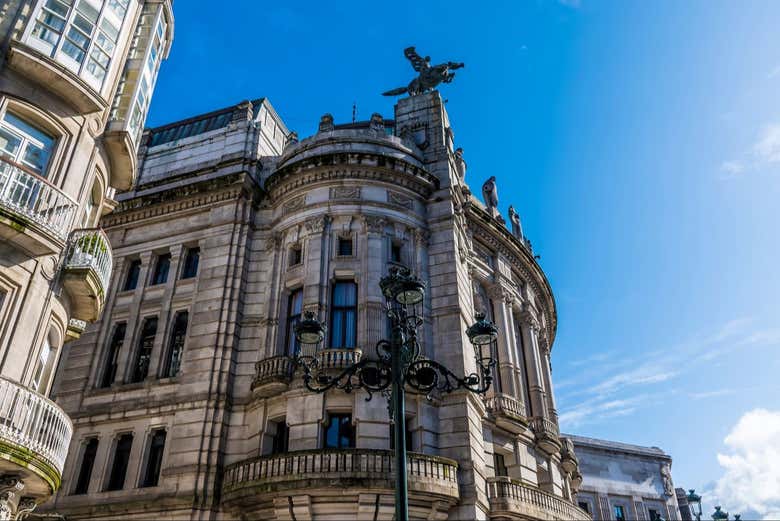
x: 429, y: 75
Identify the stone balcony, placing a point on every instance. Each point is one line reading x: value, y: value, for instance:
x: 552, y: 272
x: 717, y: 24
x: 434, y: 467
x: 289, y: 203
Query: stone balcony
x: 569, y: 460
x: 511, y: 499
x: 272, y: 376
x: 546, y: 434
x: 336, y: 474
x: 507, y: 411
x: 34, y: 438
x: 87, y: 272
x: 35, y: 215
x: 338, y: 358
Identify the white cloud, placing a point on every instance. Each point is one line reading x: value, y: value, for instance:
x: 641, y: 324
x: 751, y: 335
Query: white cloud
x: 712, y: 394
x: 767, y: 148
x: 751, y: 478
x: 733, y: 168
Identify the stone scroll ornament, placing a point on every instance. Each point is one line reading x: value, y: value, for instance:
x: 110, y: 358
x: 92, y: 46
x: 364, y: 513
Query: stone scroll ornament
x: 429, y: 75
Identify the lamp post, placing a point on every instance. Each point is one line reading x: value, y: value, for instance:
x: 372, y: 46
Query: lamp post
x: 398, y: 364
x: 694, y: 501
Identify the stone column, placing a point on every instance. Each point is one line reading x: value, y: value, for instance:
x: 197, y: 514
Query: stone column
x: 164, y: 320
x: 538, y: 400
x: 372, y: 323
x: 519, y: 367
x: 547, y: 372
x: 273, y: 248
x: 125, y: 357
x: 507, y: 361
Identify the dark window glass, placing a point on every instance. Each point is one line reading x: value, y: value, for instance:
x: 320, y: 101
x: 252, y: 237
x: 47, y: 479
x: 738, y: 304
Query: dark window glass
x: 161, y: 269
x: 133, y: 271
x: 499, y: 464
x: 395, y: 252
x: 585, y: 506
x: 87, y: 462
x: 121, y: 457
x: 339, y: 433
x: 154, y: 460
x: 176, y: 345
x: 619, y: 514
x: 296, y: 255
x: 117, y: 339
x: 144, y: 353
x: 345, y: 246
x: 281, y: 437
x: 191, y: 261
x: 407, y: 438
x: 344, y: 315
x: 653, y: 514
x: 294, y: 309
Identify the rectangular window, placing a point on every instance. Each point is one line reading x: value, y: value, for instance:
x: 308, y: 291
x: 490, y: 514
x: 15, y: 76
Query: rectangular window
x: 345, y: 247
x: 653, y: 514
x: 191, y: 261
x: 117, y: 340
x: 87, y: 463
x: 585, y: 506
x: 26, y: 145
x: 176, y: 345
x: 40, y: 365
x: 144, y: 353
x: 281, y: 437
x: 619, y: 513
x: 161, y: 268
x: 343, y: 332
x: 339, y: 433
x: 499, y: 465
x: 116, y: 480
x: 86, y: 34
x: 296, y: 255
x: 133, y: 272
x: 395, y: 252
x: 154, y: 459
x: 294, y: 310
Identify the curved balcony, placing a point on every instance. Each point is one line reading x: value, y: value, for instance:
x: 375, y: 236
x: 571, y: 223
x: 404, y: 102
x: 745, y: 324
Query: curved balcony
x: 34, y: 214
x: 258, y: 481
x: 34, y: 438
x: 546, y: 434
x: 510, y: 499
x: 507, y: 411
x: 569, y: 460
x: 87, y: 272
x: 338, y: 358
x: 272, y: 376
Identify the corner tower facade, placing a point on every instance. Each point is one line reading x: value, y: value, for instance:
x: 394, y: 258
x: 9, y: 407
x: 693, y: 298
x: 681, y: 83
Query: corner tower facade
x: 186, y: 397
x: 68, y: 140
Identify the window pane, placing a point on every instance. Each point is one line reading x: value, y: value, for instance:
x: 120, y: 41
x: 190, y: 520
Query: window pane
x: 350, y: 328
x: 87, y: 10
x: 29, y: 130
x: 9, y: 143
x: 176, y: 344
x: 79, y: 22
x: 119, y: 7
x: 121, y: 457
x: 154, y: 461
x: 191, y: 262
x: 52, y: 20
x: 161, y: 269
x: 144, y: 353
x: 60, y: 7
x: 117, y: 340
x: 36, y: 157
x: 132, y: 275
x: 87, y: 463
x: 337, y: 330
x: 74, y: 52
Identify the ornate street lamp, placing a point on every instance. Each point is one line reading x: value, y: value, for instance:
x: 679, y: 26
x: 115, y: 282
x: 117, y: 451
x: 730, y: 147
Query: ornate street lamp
x: 694, y: 502
x: 398, y: 364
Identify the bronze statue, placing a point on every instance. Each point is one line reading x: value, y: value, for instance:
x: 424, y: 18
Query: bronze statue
x: 430, y: 75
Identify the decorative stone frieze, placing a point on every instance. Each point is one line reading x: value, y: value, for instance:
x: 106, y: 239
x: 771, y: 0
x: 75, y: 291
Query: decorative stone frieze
x: 348, y: 193
x: 400, y: 199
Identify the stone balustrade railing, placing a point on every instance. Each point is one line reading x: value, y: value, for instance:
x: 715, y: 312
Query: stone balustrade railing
x: 89, y: 249
x: 275, y: 368
x: 500, y: 403
x: 338, y: 358
x: 32, y: 197
x: 507, y: 495
x: 34, y: 424
x: 542, y: 425
x: 432, y: 474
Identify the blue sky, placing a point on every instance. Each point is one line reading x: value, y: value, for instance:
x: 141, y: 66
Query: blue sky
x: 640, y: 142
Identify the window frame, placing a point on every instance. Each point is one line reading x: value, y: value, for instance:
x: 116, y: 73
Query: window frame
x: 187, y: 267
x: 130, y: 266
x: 140, y: 350
x: 344, y: 240
x: 167, y: 257
x: 172, y: 346
x: 343, y: 311
x: 352, y: 439
x: 80, y: 473
x: 111, y: 361
x: 148, y: 481
x: 295, y: 256
x: 25, y: 140
x: 112, y: 468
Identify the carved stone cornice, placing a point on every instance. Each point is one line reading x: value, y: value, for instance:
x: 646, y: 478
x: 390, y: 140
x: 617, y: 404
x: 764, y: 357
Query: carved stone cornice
x: 296, y: 203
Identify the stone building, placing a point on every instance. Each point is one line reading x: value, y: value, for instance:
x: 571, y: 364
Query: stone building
x: 185, y: 397
x: 75, y: 81
x: 622, y: 482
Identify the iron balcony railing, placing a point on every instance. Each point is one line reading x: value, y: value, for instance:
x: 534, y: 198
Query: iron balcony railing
x: 32, y: 197
x: 33, y: 422
x: 506, y: 494
x: 90, y: 249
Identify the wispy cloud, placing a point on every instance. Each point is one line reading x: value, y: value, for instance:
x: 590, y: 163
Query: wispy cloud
x: 732, y: 169
x: 588, y: 397
x: 763, y: 153
x: 767, y: 148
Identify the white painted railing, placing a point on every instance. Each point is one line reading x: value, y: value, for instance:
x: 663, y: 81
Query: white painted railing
x: 515, y: 496
x: 33, y: 422
x: 90, y: 249
x: 33, y: 197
